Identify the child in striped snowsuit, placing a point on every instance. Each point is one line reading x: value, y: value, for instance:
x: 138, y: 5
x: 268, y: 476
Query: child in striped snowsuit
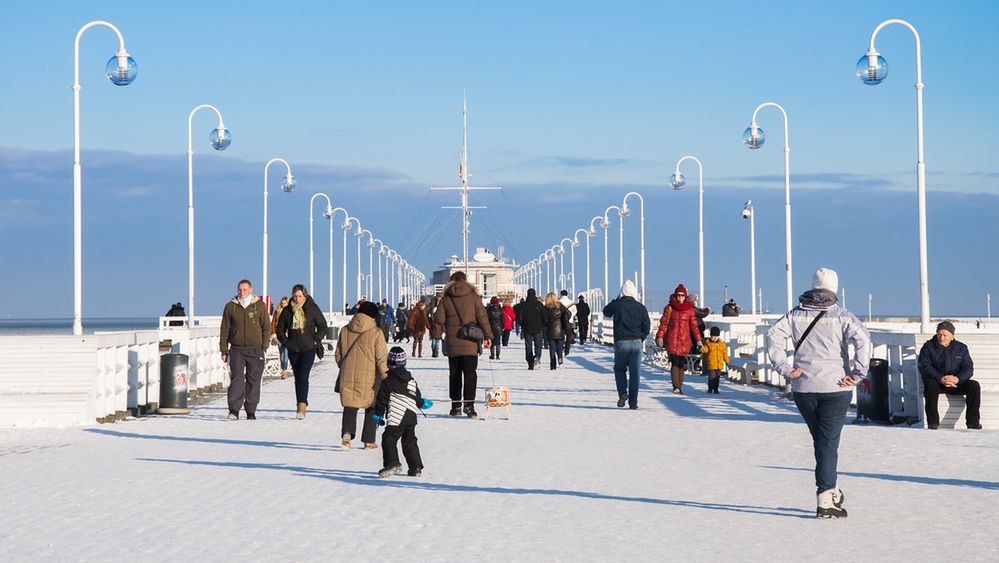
x: 396, y: 407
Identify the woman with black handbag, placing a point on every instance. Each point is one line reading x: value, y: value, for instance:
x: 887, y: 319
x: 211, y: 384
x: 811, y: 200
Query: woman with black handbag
x: 461, y: 319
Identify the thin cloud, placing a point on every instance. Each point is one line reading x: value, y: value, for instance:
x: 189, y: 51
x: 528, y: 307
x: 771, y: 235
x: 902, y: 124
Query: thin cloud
x: 574, y: 161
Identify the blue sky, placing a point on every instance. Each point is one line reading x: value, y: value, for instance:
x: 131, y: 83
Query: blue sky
x: 572, y: 104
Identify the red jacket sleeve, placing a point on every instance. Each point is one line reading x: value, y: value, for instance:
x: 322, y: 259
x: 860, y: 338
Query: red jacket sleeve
x: 663, y: 323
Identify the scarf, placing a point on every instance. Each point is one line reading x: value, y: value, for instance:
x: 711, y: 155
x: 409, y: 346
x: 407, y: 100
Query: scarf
x: 298, y: 314
x: 677, y: 306
x: 817, y: 299
x: 245, y: 302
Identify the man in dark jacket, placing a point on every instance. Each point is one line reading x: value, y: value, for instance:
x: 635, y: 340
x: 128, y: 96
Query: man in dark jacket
x: 532, y: 327
x: 583, y: 319
x: 631, y: 326
x: 731, y: 309
x: 495, y: 313
x: 243, y: 337
x: 946, y: 367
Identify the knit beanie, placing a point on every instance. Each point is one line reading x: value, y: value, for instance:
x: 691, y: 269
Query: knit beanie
x: 715, y: 331
x: 946, y: 325
x: 680, y: 290
x: 494, y: 301
x: 396, y: 357
x: 368, y: 308
x: 824, y: 278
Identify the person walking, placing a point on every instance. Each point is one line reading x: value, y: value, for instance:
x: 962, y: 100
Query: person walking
x: 418, y: 324
x: 244, y: 335
x: 361, y: 356
x: 495, y: 313
x: 946, y: 367
x: 583, y: 319
x: 631, y: 327
x: 435, y: 341
x: 822, y: 374
x: 282, y: 351
x: 399, y: 400
x: 509, y: 318
x: 461, y: 306
x: 676, y: 326
x: 401, y: 323
x: 301, y: 329
x: 531, y: 317
x: 715, y: 359
x: 556, y: 328
x: 516, y: 316
x: 569, y: 306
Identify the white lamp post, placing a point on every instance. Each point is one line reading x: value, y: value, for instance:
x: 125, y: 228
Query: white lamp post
x: 753, y: 137
x: 329, y: 216
x: 678, y: 182
x: 371, y: 260
x: 870, y: 314
x: 121, y: 71
x: 561, y: 257
x: 641, y: 222
x: 357, y: 234
x: 553, y: 251
x: 872, y: 70
x: 749, y: 213
x: 287, y: 185
x: 575, y: 243
x: 220, y: 138
x: 606, y: 225
x: 381, y: 252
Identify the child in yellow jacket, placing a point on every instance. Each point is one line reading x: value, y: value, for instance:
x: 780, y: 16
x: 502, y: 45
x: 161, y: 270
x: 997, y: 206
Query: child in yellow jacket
x: 715, y: 359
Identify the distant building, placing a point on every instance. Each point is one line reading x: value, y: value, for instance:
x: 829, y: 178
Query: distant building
x: 491, y: 274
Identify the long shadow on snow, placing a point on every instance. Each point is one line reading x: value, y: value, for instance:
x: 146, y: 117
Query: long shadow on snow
x: 369, y: 479
x: 267, y: 444
x: 904, y: 478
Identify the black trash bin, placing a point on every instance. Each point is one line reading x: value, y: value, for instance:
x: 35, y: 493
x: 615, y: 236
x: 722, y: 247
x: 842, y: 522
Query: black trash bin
x: 332, y: 333
x: 872, y: 400
x: 174, y: 377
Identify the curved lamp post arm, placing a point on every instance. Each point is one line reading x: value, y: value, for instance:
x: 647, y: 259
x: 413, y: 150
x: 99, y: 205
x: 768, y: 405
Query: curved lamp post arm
x: 677, y: 185
x: 329, y: 207
x: 289, y: 185
x: 641, y: 223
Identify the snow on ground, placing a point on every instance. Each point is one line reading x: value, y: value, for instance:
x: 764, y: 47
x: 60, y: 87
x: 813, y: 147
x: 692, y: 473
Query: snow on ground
x: 570, y: 477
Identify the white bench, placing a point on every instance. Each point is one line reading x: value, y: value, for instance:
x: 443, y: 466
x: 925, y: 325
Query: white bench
x: 984, y: 351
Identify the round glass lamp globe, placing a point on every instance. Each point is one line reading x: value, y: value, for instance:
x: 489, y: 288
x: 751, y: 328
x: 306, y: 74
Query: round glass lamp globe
x: 289, y: 184
x: 869, y: 74
x: 677, y: 181
x: 753, y: 141
x: 121, y: 75
x: 220, y: 140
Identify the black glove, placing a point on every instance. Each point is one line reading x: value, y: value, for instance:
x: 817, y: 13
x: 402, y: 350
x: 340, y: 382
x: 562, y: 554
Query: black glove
x: 320, y: 351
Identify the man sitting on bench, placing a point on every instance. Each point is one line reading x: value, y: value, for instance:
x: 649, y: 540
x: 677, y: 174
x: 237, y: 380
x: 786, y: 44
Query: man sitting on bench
x: 946, y: 367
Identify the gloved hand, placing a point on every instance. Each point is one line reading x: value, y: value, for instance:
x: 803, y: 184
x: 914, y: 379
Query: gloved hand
x: 379, y: 419
x: 427, y: 403
x: 660, y: 343
x: 700, y: 346
x: 320, y: 351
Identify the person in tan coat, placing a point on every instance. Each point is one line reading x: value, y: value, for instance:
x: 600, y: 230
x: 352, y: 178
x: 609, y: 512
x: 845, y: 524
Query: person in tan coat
x: 362, y: 358
x: 460, y: 305
x: 418, y: 324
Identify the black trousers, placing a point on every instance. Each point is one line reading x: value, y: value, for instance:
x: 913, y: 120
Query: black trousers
x: 349, y: 425
x: 301, y: 365
x: 463, y: 379
x: 410, y: 447
x: 970, y: 389
x: 584, y: 329
x: 506, y: 337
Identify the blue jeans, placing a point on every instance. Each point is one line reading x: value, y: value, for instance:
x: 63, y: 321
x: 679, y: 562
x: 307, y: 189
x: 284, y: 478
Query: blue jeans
x: 555, y: 348
x: 824, y: 413
x: 533, y: 343
x: 627, y: 356
x: 284, y: 357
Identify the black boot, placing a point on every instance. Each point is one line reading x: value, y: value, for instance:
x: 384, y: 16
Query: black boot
x: 469, y: 411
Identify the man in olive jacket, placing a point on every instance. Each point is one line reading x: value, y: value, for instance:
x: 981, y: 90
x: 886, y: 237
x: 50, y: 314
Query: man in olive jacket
x: 245, y: 334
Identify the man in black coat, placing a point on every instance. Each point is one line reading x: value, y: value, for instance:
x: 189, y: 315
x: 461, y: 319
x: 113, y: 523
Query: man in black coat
x: 532, y: 327
x: 946, y: 367
x: 583, y: 319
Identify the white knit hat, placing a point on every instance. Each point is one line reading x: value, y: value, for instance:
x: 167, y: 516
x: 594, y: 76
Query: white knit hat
x: 824, y: 278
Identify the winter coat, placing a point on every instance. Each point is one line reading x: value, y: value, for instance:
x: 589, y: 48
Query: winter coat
x: 495, y: 314
x: 509, y: 317
x: 531, y: 315
x: 582, y: 313
x: 676, y: 326
x: 460, y: 297
x: 274, y: 320
x: 418, y: 322
x: 569, y: 306
x: 824, y: 356
x: 715, y: 355
x: 631, y: 318
x: 401, y: 319
x: 248, y: 328
x: 311, y: 337
x: 362, y: 358
x: 730, y: 309
x: 556, y: 323
x: 935, y: 361
x: 399, y: 398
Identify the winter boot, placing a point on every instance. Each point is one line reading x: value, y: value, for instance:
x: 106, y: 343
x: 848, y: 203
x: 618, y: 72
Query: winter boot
x: 455, y: 410
x: 233, y: 415
x: 300, y: 415
x: 389, y: 471
x: 830, y: 505
x: 345, y: 442
x: 622, y: 399
x: 469, y: 411
x: 415, y: 471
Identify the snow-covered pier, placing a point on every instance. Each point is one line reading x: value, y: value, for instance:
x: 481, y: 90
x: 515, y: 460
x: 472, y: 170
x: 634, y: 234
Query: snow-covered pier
x: 568, y: 477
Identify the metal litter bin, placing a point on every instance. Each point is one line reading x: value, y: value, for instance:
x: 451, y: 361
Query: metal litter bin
x: 332, y: 333
x: 872, y: 400
x: 174, y: 378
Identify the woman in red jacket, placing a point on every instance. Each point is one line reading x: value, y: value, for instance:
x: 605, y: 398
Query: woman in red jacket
x: 677, y: 324
x: 508, y: 318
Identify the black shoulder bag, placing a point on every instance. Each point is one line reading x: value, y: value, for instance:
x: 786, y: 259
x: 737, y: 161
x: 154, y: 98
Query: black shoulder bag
x: 471, y: 331
x: 808, y: 330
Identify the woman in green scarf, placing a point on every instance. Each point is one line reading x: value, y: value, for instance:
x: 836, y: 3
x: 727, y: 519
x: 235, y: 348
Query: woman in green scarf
x: 301, y: 329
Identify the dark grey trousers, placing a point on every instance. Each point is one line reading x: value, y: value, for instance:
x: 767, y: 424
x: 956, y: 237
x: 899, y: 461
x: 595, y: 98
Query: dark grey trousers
x: 246, y: 367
